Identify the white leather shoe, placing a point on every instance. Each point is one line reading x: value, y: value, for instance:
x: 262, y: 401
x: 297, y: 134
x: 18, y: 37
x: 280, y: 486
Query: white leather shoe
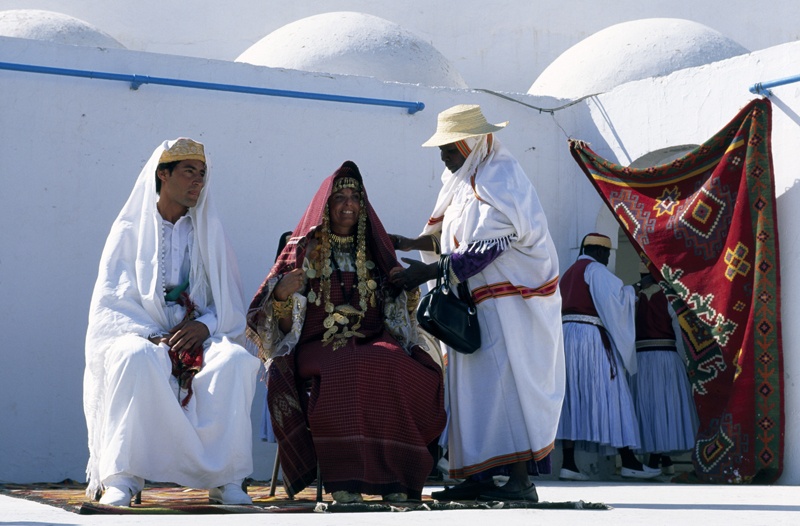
x: 230, y: 493
x: 645, y: 473
x: 568, y: 474
x: 116, y: 496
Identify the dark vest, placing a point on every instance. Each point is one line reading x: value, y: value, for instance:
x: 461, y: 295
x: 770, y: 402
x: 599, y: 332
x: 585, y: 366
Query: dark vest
x: 653, y: 321
x: 576, y: 298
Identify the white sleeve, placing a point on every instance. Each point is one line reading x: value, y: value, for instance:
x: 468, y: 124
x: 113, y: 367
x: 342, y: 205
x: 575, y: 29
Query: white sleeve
x: 616, y: 306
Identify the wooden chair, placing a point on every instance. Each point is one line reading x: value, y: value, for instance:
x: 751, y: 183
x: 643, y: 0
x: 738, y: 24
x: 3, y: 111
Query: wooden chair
x: 273, y: 484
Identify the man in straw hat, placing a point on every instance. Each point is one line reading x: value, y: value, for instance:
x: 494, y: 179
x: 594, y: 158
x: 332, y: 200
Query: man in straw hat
x: 168, y: 387
x: 599, y: 343
x: 505, y: 398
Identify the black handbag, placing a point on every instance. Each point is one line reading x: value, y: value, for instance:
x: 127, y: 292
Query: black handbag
x: 450, y: 317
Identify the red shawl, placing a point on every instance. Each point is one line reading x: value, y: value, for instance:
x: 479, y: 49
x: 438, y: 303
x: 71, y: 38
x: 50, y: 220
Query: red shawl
x: 378, y: 242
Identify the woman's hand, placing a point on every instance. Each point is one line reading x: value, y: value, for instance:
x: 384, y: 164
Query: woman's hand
x: 291, y: 282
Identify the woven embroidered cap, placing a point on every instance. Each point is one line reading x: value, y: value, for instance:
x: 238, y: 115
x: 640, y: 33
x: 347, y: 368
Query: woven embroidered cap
x: 597, y: 240
x: 461, y: 122
x: 183, y: 149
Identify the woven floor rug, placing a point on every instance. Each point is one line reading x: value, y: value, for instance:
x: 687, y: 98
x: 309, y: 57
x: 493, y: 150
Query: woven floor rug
x: 707, y: 223
x: 164, y: 499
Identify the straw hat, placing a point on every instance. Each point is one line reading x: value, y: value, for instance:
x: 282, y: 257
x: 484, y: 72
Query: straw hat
x: 461, y: 122
x: 595, y: 239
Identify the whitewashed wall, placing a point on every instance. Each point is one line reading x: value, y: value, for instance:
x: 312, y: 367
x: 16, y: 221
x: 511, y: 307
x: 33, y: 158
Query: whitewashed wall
x: 71, y: 149
x: 503, y: 45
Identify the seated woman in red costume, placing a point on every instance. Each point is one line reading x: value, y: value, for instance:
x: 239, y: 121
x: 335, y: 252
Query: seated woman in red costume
x: 350, y: 382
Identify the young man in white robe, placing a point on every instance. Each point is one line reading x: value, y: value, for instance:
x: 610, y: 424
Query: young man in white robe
x: 168, y: 386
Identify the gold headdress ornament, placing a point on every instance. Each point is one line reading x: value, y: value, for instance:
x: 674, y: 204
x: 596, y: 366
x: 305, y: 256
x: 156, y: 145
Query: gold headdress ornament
x: 459, y: 123
x: 183, y: 150
x: 346, y: 182
x: 597, y: 240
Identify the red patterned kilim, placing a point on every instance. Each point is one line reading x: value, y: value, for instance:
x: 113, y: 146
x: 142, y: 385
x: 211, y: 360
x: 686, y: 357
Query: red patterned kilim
x: 707, y: 222
x: 169, y: 499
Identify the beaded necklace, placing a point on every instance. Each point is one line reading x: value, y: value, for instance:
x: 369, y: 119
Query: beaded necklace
x: 341, y: 246
x: 163, y: 262
x: 343, y: 321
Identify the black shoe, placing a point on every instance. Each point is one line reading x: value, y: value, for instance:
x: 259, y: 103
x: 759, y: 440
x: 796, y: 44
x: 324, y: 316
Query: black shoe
x: 528, y: 494
x: 467, y: 490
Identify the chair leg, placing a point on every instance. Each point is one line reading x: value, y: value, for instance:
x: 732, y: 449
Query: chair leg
x: 273, y: 484
x: 319, y: 484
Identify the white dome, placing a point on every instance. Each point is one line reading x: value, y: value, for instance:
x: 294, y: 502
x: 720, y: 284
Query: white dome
x: 354, y: 44
x: 631, y: 51
x: 53, y: 27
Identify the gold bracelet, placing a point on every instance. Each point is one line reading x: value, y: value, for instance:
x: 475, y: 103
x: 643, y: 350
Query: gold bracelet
x: 412, y: 300
x: 282, y: 309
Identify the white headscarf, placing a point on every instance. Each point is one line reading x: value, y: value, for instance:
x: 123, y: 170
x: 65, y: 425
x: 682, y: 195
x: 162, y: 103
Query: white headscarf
x: 490, y: 170
x: 128, y: 297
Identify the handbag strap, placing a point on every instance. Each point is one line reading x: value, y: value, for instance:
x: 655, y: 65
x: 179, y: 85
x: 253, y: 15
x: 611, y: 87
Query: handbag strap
x: 443, y: 274
x: 443, y: 278
x: 466, y: 295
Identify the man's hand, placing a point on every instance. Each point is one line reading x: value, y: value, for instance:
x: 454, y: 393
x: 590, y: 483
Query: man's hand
x: 187, y: 335
x: 415, y: 275
x: 404, y: 244
x: 646, y: 281
x: 643, y: 283
x: 401, y: 243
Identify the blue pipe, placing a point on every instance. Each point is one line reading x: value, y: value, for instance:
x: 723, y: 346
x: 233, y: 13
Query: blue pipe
x: 762, y: 88
x: 138, y: 80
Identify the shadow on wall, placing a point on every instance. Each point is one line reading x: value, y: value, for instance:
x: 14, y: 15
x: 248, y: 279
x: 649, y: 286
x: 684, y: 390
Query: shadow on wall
x: 778, y: 103
x: 789, y: 230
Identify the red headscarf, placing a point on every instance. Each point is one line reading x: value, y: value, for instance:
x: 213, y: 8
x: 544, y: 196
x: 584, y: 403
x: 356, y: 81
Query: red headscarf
x: 378, y: 242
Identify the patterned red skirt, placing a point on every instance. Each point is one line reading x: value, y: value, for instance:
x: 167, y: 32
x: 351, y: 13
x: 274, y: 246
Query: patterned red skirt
x: 367, y: 412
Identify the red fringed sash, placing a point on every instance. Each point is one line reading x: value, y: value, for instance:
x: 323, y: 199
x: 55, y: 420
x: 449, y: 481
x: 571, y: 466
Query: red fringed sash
x: 186, y: 364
